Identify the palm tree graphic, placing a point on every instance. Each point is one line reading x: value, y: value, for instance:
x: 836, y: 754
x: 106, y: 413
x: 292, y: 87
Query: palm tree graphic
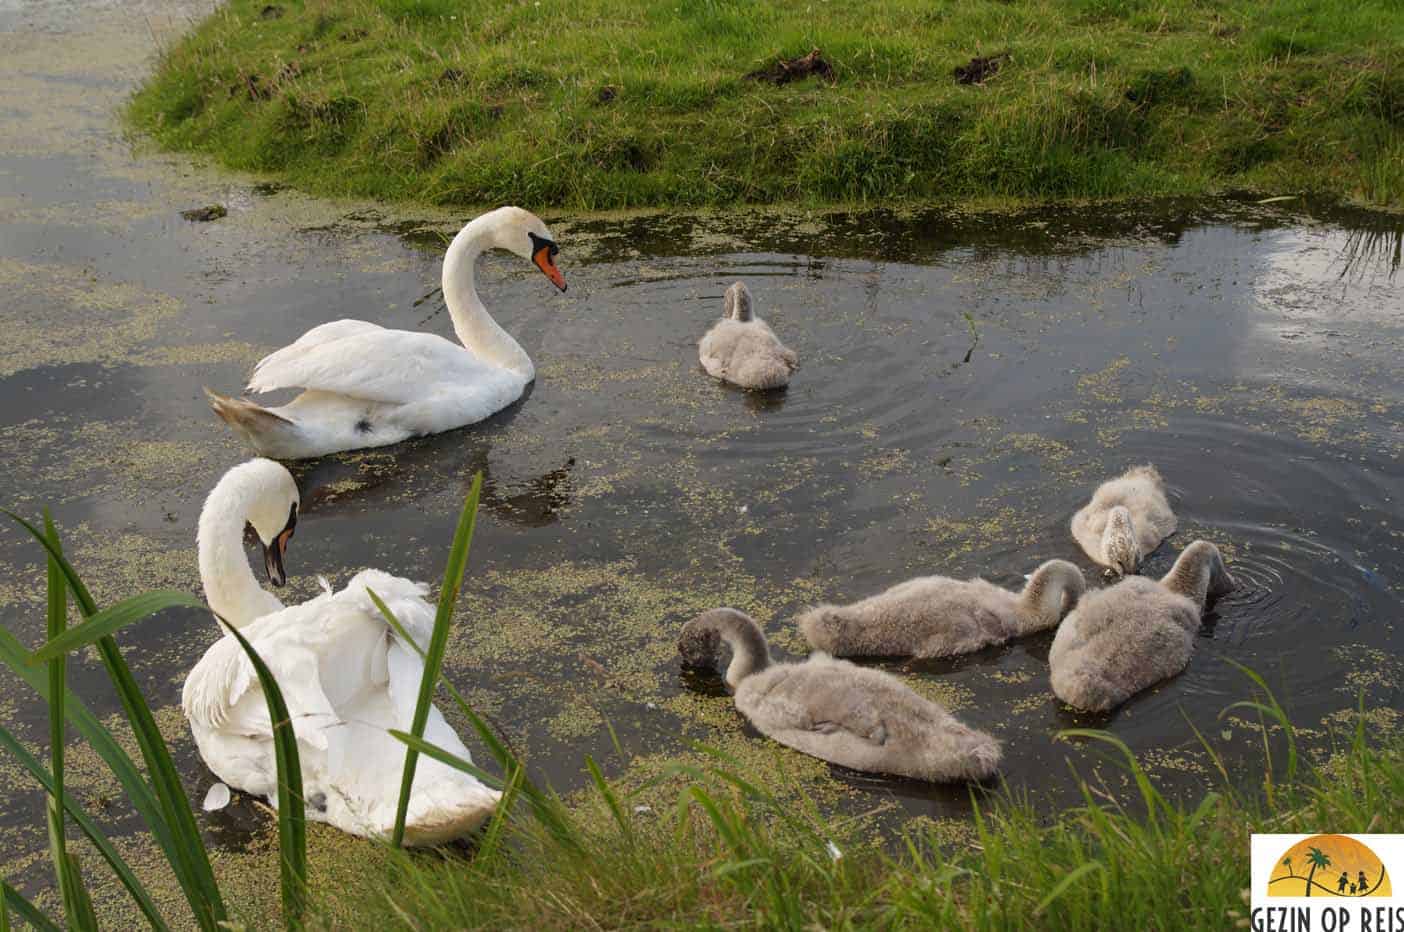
x: 1287, y: 863
x: 1317, y: 858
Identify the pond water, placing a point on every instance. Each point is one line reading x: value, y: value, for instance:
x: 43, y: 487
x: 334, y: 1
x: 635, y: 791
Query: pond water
x: 966, y: 381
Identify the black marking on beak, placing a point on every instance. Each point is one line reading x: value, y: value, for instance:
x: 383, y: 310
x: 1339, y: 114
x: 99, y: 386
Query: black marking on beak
x: 543, y: 255
x: 273, y: 553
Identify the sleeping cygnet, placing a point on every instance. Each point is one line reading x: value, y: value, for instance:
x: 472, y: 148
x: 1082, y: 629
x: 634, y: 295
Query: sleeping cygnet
x: 1121, y: 639
x: 1127, y: 518
x: 742, y: 349
x: 936, y: 616
x: 833, y: 710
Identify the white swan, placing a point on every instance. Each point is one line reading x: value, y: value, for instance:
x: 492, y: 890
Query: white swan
x: 1126, y: 519
x: 344, y: 674
x: 742, y: 349
x: 1124, y: 638
x: 837, y: 711
x: 366, y: 386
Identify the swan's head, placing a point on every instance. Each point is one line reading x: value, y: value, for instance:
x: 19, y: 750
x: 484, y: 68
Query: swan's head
x: 272, y: 512
x: 522, y: 232
x: 1119, y: 545
x: 737, y: 304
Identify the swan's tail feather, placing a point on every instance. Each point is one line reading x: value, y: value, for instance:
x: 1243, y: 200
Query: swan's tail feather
x: 267, y: 431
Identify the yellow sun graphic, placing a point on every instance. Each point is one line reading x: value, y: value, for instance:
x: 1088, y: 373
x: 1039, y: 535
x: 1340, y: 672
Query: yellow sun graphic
x: 1328, y: 865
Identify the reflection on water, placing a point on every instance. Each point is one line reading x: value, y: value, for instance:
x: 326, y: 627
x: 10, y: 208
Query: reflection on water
x: 966, y: 380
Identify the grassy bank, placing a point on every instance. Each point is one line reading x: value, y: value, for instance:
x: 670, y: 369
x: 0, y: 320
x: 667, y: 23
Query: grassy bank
x: 727, y: 855
x: 606, y: 103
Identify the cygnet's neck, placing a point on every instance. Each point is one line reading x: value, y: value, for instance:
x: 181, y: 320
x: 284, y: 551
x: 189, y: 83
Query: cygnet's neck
x: 1198, y: 569
x: 1050, y: 593
x: 474, y: 326
x: 749, y: 651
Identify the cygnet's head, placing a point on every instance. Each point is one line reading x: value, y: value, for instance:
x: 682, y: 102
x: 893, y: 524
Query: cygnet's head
x: 737, y: 304
x: 700, y: 646
x: 522, y: 232
x: 272, y: 512
x: 1119, y: 545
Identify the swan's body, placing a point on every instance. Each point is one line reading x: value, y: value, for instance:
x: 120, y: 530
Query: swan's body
x: 366, y: 386
x: 833, y: 710
x: 1121, y: 639
x: 346, y: 678
x: 936, y: 616
x: 743, y: 350
x: 1127, y: 518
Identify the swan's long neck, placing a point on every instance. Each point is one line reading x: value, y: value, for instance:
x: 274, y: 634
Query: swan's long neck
x: 749, y: 651
x: 231, y: 588
x: 475, y: 328
x: 1198, y: 570
x: 1050, y: 593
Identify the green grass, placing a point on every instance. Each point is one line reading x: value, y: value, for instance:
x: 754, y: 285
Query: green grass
x: 731, y: 855
x: 629, y: 103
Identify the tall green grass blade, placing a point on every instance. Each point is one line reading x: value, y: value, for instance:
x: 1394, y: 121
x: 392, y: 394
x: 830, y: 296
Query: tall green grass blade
x: 292, y: 817
x: 447, y: 758
x: 545, y: 807
x: 1272, y: 708
x: 134, y: 785
x: 26, y: 910
x: 185, y: 848
x: 112, y: 619
x: 611, y: 800
x: 77, y: 904
x: 57, y: 620
x: 4, y: 914
x: 438, y: 642
x: 1061, y: 887
x: 119, y: 867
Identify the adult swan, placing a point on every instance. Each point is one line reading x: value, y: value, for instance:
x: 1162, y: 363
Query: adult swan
x: 366, y: 386
x: 346, y: 677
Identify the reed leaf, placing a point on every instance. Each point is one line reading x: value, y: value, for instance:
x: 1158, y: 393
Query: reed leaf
x: 292, y: 817
x: 89, y: 828
x: 112, y: 619
x: 24, y: 909
x: 438, y: 642
x: 545, y: 807
x: 185, y: 849
x: 69, y: 884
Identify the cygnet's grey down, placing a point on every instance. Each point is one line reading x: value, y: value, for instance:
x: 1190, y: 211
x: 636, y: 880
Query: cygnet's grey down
x: 936, y: 616
x: 833, y: 710
x: 1121, y: 639
x: 1127, y: 518
x: 742, y: 349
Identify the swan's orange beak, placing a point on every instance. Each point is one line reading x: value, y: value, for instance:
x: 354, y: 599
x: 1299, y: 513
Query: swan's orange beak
x: 545, y: 260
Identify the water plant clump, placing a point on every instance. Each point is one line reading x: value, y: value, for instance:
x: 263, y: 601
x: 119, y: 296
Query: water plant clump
x: 606, y: 104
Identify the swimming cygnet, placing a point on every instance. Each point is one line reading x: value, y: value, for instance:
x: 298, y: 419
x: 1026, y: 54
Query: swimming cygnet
x: 833, y: 710
x: 1121, y: 639
x: 1127, y: 518
x: 742, y: 349
x: 936, y: 616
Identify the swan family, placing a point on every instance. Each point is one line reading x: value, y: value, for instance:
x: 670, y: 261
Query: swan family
x: 349, y: 678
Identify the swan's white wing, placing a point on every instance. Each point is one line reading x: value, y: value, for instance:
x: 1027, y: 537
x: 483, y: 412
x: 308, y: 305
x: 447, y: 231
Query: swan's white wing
x: 326, y: 333
x: 385, y: 366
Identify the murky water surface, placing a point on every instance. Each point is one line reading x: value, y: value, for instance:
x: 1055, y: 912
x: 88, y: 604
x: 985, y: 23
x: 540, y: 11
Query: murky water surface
x: 966, y: 382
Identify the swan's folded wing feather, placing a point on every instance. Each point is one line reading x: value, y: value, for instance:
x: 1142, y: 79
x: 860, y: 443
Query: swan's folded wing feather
x: 378, y: 365
x: 222, y: 692
x: 295, y: 669
x: 325, y: 333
